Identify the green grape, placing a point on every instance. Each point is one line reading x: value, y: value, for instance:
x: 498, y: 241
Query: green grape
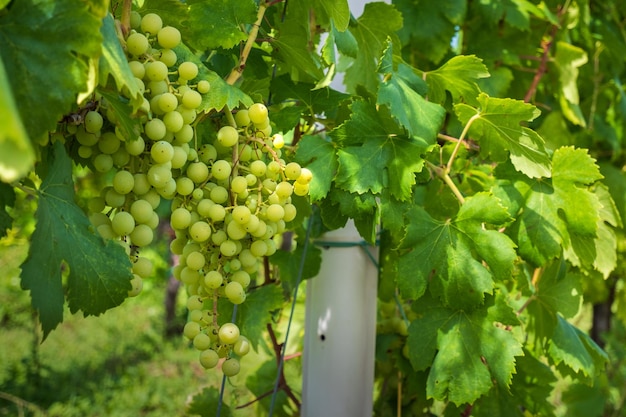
x: 300, y: 189
x: 245, y: 153
x: 239, y: 185
x: 156, y: 71
x: 219, y: 237
x: 273, y: 167
x: 198, y: 172
x: 93, y: 121
x: 106, y: 231
x: 167, y: 102
x: 217, y: 212
x: 257, y: 113
x: 189, y: 115
x: 252, y: 224
x: 151, y: 23
x: 278, y: 141
x: 155, y: 129
x: 258, y: 248
x: 159, y: 175
x: 141, y: 184
x: 194, y: 303
x: 136, y: 286
x: 228, y: 248
x: 266, y: 132
x: 103, y: 163
x: 275, y: 212
x: 162, y: 152
x: 177, y: 245
x: 284, y: 189
x: 137, y: 44
x: 189, y: 276
x: 230, y: 367
x: 85, y: 138
x: 97, y: 219
x: 209, y: 359
x: 195, y: 260
x: 168, y: 37
x: 187, y: 70
x: 168, y: 191
x: 143, y: 267
x: 228, y: 333
x: 290, y: 212
x: 142, y: 235
x: 184, y: 134
x: 184, y: 186
x: 120, y: 157
x: 180, y: 218
x: 123, y: 223
x: 242, y: 118
x: 221, y: 170
x: 191, y: 330
x: 207, y: 153
x: 305, y: 176
x: 200, y: 231
x: 234, y: 292
x: 258, y: 168
x: 242, y: 346
x: 156, y: 89
x: 108, y: 143
x: 219, y: 195
x: 85, y: 152
x: 235, y: 231
x: 213, y: 280
x: 152, y: 197
x: 168, y: 57
x: 179, y: 159
x: 196, y: 316
x: 113, y: 198
x: 135, y: 147
x: 202, y: 341
x: 293, y: 170
x: 191, y: 99
x: 227, y: 136
x: 203, y: 87
x: 173, y: 121
x: 137, y: 68
x: 135, y: 20
x: 96, y: 204
x: 123, y: 182
x: 141, y: 210
x: 241, y: 277
x: 241, y: 214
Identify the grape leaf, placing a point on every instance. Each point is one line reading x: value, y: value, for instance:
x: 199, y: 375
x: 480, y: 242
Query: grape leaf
x: 288, y: 263
x: 496, y: 124
x: 172, y: 12
x: 205, y: 403
x: 378, y: 22
x: 35, y: 35
x: 99, y: 276
x: 514, y: 12
x: 363, y: 209
x: 221, y: 93
x: 256, y: 311
x: 401, y: 90
x: 556, y: 211
x: 459, y: 76
x: 293, y: 45
x: 7, y: 199
x: 17, y: 156
x: 213, y: 24
x: 371, y: 139
x: 318, y: 155
x: 432, y: 25
x: 472, y: 350
x: 572, y: 349
x: 131, y: 126
x: 337, y: 10
x: 113, y: 62
x: 459, y: 257
x: 567, y: 59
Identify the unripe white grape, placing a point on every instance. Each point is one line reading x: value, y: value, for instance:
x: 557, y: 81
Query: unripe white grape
x: 168, y: 57
x: 235, y: 230
x: 293, y: 170
x: 135, y: 147
x: 241, y: 214
x: 241, y: 277
x: 113, y: 198
x: 257, y: 113
x: 167, y: 102
x: 151, y: 23
x: 123, y: 223
x: 278, y: 141
x: 275, y: 212
x: 230, y: 367
x: 191, y: 99
x: 305, y: 176
x: 85, y: 152
x: 179, y: 159
x: 221, y: 169
x: 143, y: 267
x: 191, y: 329
x: 242, y: 346
x: 258, y: 248
x: 202, y: 341
x: 290, y: 212
x: 156, y: 89
x: 189, y: 276
x: 194, y: 302
x: 195, y: 260
x: 200, y: 231
x: 108, y: 143
x: 203, y: 86
x: 168, y: 37
x: 93, y: 121
x: 300, y: 189
x: 142, y: 235
x: 137, y: 44
x: 136, y: 286
x: 228, y: 333
x: 209, y: 359
x: 103, y: 163
x: 228, y: 248
x: 184, y: 134
x: 198, y: 172
x: 173, y: 121
x: 213, y: 280
x: 227, y: 136
x: 141, y: 210
x: 184, y: 186
x: 156, y: 71
x: 123, y: 182
x: 155, y: 129
x: 180, y: 218
x: 187, y: 70
x: 219, y: 195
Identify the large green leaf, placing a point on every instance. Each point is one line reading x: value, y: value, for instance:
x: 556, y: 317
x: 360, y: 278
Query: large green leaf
x: 496, y: 124
x: 37, y: 36
x: 319, y: 156
x: 213, y: 24
x: 460, y: 257
x: 375, y: 153
x: 567, y: 59
x: 337, y: 10
x: 99, y: 272
x: 378, y: 22
x: 473, y: 352
x: 459, y: 77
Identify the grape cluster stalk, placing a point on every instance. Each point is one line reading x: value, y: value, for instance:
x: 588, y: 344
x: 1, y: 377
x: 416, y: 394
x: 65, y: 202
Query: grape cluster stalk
x: 230, y: 194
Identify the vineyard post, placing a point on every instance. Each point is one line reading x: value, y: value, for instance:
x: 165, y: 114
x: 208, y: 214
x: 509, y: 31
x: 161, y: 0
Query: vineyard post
x: 340, y: 328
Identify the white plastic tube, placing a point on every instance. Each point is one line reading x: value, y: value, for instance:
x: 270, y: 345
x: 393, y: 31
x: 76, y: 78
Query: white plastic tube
x: 340, y: 331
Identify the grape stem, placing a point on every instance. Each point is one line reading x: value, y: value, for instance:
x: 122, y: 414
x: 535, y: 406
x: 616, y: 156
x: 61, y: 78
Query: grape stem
x: 125, y: 17
x: 236, y: 72
x: 22, y: 187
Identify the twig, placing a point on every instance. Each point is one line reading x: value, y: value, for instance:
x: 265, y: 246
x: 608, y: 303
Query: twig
x: 282, y: 382
x: 236, y: 72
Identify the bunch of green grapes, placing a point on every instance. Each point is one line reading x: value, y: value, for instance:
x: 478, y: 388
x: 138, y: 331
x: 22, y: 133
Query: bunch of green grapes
x: 142, y: 167
x: 238, y: 199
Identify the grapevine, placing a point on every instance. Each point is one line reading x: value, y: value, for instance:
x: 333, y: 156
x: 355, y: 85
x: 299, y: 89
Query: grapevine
x: 230, y: 193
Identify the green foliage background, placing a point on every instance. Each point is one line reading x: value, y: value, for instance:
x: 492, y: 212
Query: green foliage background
x: 484, y: 138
